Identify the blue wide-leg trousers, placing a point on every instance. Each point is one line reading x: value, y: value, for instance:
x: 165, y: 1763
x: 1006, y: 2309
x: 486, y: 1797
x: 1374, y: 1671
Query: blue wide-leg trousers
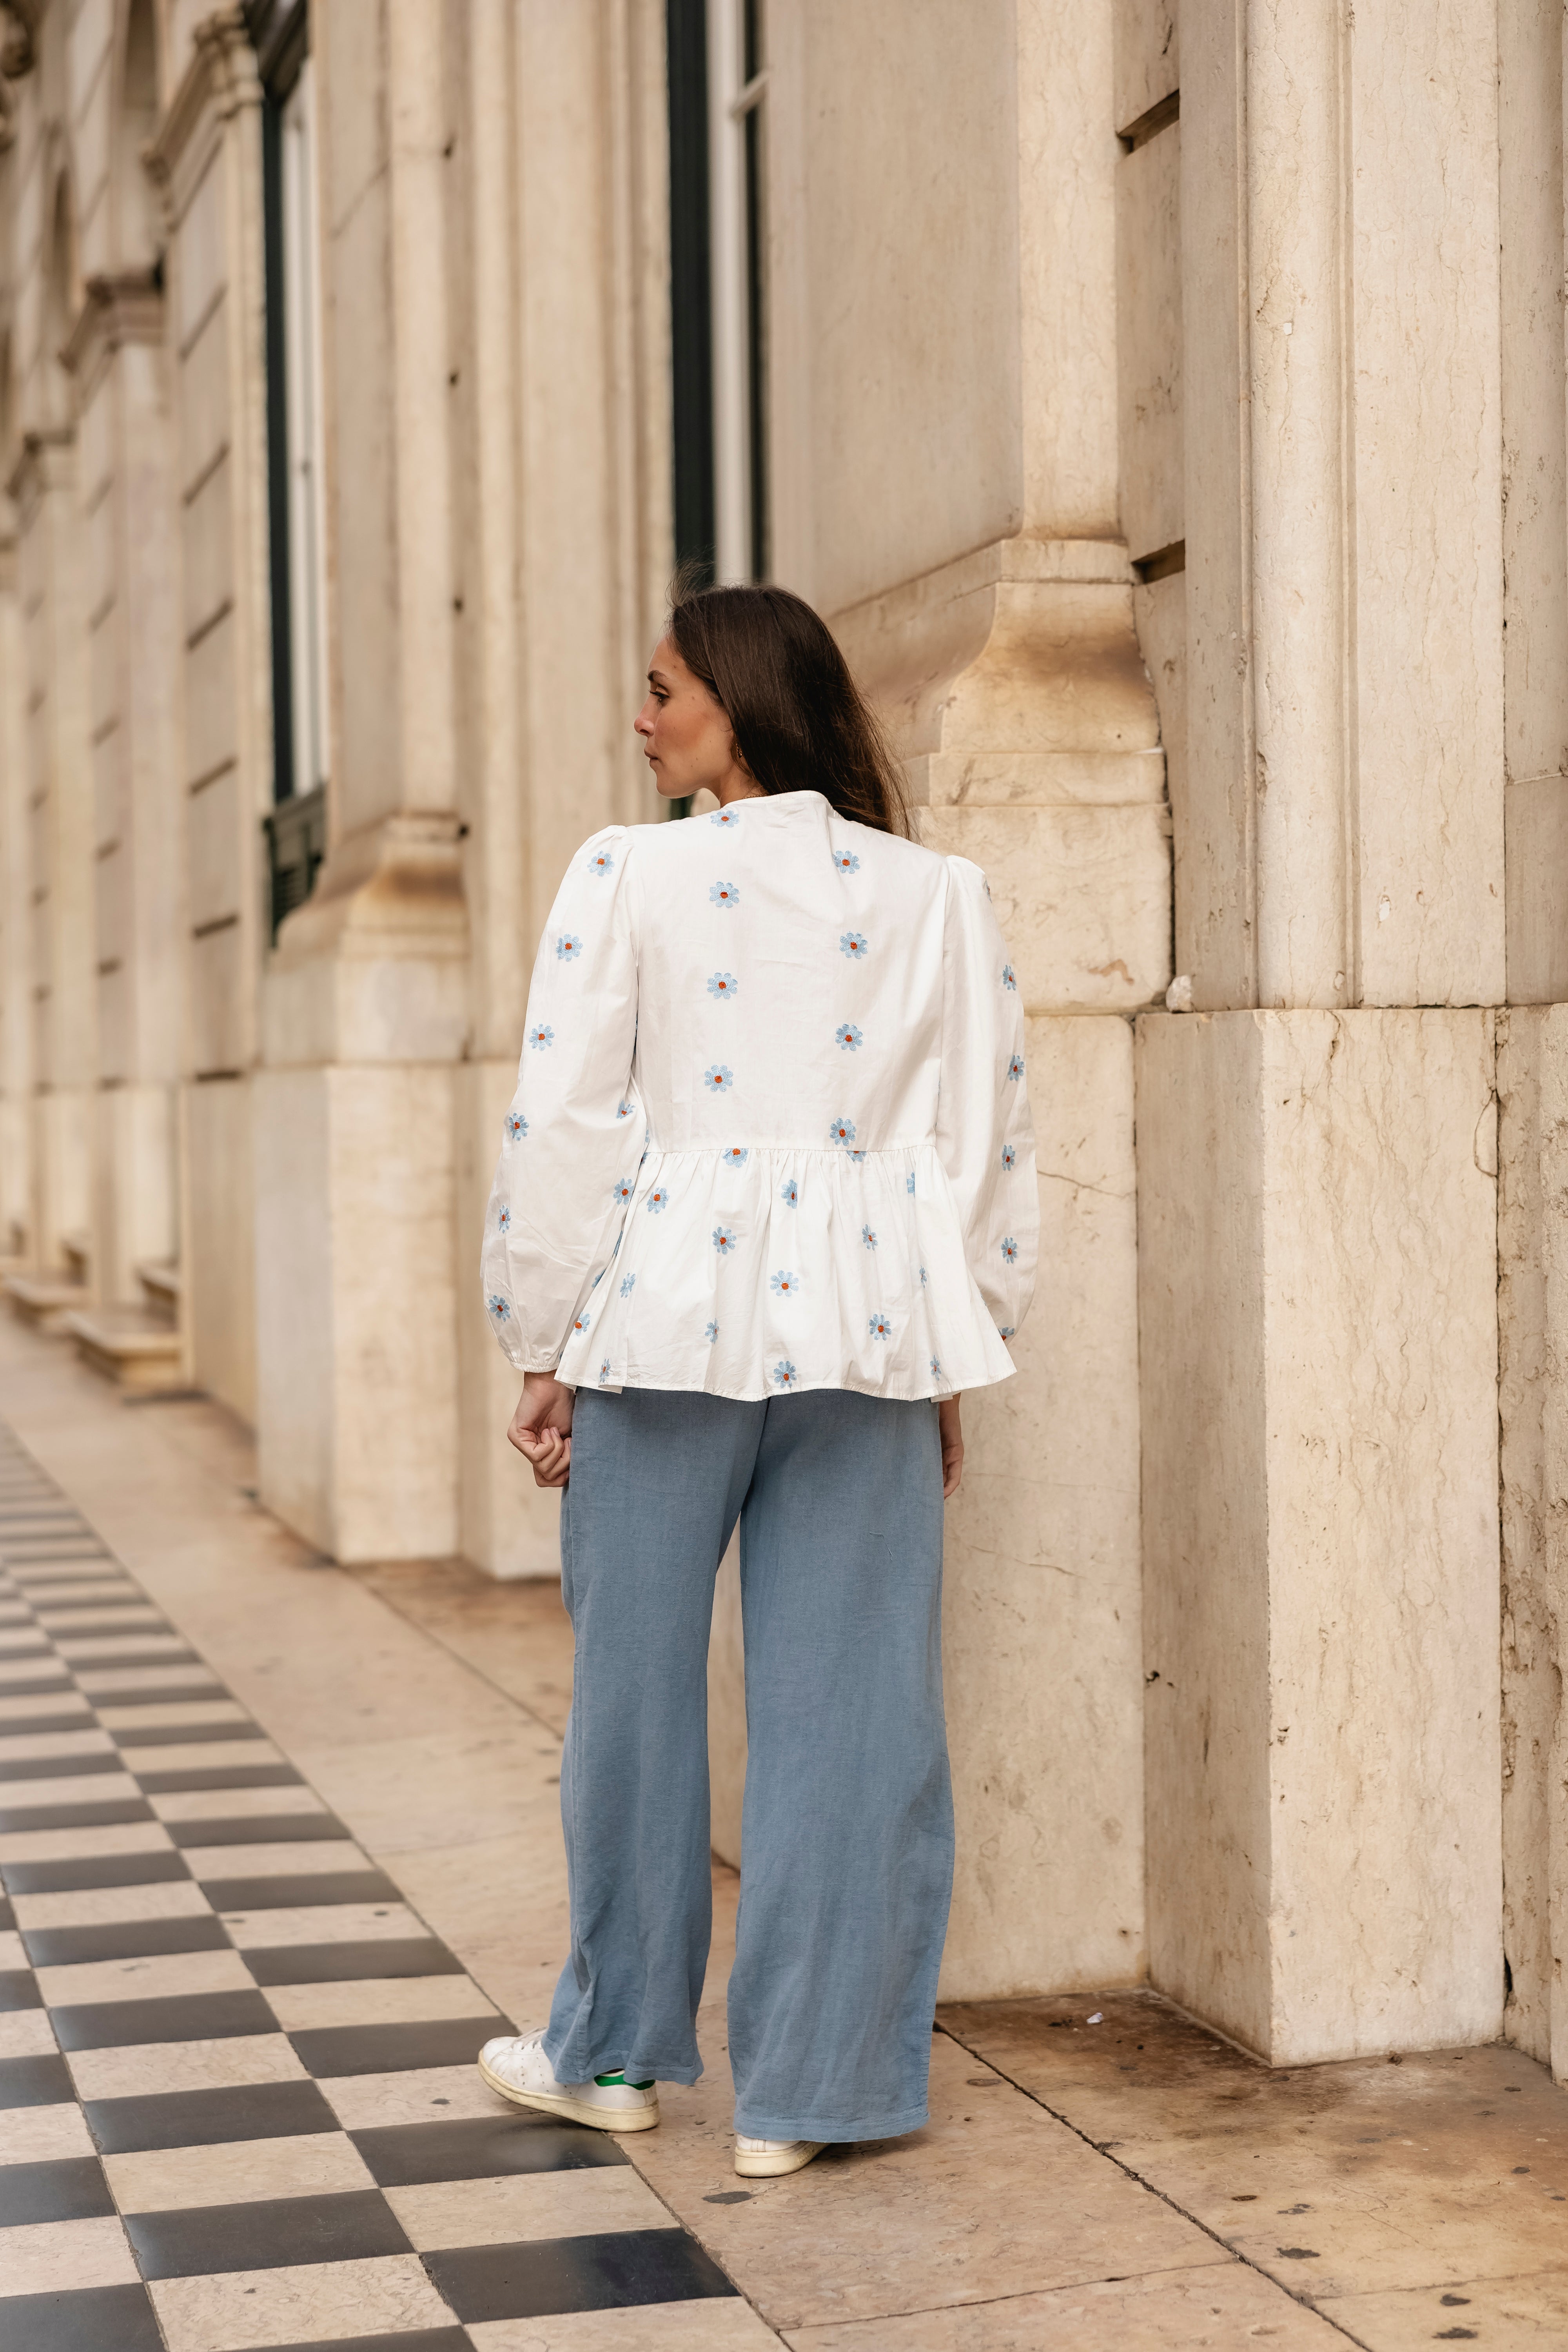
x: 846, y: 1835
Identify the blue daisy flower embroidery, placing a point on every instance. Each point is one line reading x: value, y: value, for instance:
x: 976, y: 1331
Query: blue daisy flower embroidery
x: 846, y: 861
x: 1009, y: 1157
x: 924, y: 1277
x: 722, y: 986
x: 712, y: 1333
x: 628, y: 1286
x: 498, y: 1307
x: 623, y: 1191
x: 723, y: 894
x: 624, y: 1109
x: 784, y: 1375
x: 848, y: 1036
x: 789, y: 1191
x: 601, y: 863
x: 854, y: 944
x: 504, y: 1219
x: 910, y: 1181
x: 879, y: 1327
x: 540, y: 1036
x: 783, y: 1286
x: 1009, y: 978
x: 867, y: 1238
x: 725, y: 817
x: 1006, y: 1329
x: 1010, y: 1251
x: 516, y: 1127
x: 568, y: 947
x: 736, y: 1155
x: 723, y: 1240
x: 655, y: 1200
x: 936, y: 1372
x: 1016, y: 1068
x: 719, y: 1079
x: 842, y: 1130
x: 856, y: 1156
x: 603, y: 1371
x: 583, y: 1322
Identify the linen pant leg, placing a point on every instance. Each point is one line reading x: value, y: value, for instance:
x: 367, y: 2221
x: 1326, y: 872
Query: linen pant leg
x: 846, y: 1838
x: 658, y: 1479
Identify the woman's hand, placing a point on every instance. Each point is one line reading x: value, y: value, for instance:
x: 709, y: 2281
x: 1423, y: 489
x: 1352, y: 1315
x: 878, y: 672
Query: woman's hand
x: 951, y: 1429
x: 540, y: 1428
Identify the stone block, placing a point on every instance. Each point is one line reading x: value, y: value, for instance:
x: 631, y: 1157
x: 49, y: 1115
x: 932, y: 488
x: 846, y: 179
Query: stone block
x: 1317, y: 1230
x: 1042, y: 1649
x: 1148, y: 57
x: 1149, y: 355
x: 217, y: 1243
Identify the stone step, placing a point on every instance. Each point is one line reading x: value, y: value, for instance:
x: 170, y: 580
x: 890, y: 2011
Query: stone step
x: 138, y: 1351
x: 78, y: 1249
x: 160, y: 1280
x: 44, y: 1300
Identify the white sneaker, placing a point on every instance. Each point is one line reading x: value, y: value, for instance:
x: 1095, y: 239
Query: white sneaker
x: 516, y: 2067
x: 766, y: 2159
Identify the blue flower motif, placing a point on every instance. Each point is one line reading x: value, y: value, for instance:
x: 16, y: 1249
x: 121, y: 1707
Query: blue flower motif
x: 718, y: 1080
x: 568, y: 946
x: 1006, y: 1330
x: 784, y: 1375
x: 1016, y: 1068
x: 628, y: 1285
x: 848, y: 1036
x: 841, y: 1130
x: 1009, y: 978
x: 516, y: 1127
x: 583, y: 1321
x: 1009, y: 1157
x: 603, y: 1371
x: 1010, y: 1251
x: 846, y: 861
x: 504, y: 1219
x: 723, y: 1240
x: 856, y: 1156
x: 936, y: 1372
x: 624, y: 1109
x: 725, y: 816
x: 722, y: 986
x: 622, y: 1191
x: 540, y: 1036
x: 656, y: 1200
x: 879, y: 1327
x: 924, y: 1277
x: 712, y: 1333
x: 498, y: 1307
x: 854, y: 944
x: 601, y: 863
x: 723, y: 894
x: 867, y: 1238
x: 910, y: 1181
x: 735, y: 1155
x: 783, y: 1286
x: 789, y: 1191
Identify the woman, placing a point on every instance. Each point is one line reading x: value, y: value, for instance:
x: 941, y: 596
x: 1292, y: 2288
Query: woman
x: 765, y: 1206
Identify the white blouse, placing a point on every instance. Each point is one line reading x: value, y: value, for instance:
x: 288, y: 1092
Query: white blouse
x: 771, y: 1128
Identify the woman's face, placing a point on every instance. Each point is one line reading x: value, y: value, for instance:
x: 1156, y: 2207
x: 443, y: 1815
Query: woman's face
x: 686, y: 736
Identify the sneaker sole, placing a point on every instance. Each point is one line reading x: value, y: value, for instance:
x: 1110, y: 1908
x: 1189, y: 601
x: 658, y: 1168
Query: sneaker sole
x: 577, y: 2111
x: 773, y: 2167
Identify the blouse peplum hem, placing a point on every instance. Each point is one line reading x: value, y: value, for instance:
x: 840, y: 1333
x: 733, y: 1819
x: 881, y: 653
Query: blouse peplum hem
x: 752, y: 1270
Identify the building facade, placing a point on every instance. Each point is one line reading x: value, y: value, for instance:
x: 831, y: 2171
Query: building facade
x: 1164, y: 400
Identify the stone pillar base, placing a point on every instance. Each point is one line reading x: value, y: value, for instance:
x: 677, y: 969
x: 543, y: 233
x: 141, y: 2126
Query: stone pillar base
x: 1318, y: 1325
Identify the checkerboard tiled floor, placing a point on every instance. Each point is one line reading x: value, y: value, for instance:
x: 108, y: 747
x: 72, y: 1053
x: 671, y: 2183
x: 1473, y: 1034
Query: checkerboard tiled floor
x: 236, y: 2071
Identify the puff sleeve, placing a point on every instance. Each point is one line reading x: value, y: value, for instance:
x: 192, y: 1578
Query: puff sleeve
x: 984, y: 1135
x: 574, y: 1135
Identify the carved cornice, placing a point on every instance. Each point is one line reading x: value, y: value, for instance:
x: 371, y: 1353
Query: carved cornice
x: 126, y: 306
x: 220, y: 81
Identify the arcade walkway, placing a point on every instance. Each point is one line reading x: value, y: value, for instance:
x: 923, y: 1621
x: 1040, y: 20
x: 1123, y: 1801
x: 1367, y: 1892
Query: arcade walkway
x: 280, y: 1843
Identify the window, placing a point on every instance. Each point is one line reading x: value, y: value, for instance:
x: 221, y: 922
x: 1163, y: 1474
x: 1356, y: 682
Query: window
x: 718, y: 86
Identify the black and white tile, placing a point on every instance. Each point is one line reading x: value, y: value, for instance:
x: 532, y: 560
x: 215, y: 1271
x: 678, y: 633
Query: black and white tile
x: 236, y: 2070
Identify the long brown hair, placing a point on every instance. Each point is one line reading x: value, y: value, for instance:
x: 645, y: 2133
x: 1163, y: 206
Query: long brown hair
x: 800, y: 723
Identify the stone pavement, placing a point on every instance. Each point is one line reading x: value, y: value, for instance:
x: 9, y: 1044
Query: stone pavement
x: 277, y: 1837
